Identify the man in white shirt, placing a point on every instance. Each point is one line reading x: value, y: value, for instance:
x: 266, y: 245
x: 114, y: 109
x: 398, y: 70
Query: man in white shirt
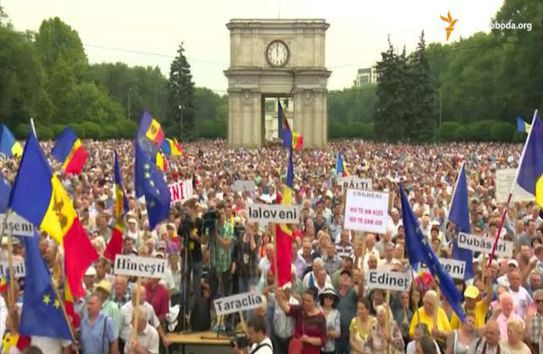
x: 146, y: 341
x: 126, y: 316
x: 521, y: 297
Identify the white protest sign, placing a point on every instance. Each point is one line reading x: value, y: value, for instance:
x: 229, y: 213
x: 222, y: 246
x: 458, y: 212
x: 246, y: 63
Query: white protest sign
x: 244, y: 186
x: 454, y: 267
x: 485, y: 244
x: 353, y: 182
x: 19, y: 269
x: 16, y: 225
x: 366, y: 211
x: 504, y: 180
x: 236, y: 303
x: 389, y: 280
x: 135, y: 266
x: 279, y: 214
x: 181, y: 191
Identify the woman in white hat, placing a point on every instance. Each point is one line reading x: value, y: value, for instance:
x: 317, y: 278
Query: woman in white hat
x: 328, y: 301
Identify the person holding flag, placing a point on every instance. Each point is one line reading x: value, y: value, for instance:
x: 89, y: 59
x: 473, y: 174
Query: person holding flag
x: 459, y: 216
x: 120, y: 207
x: 419, y: 251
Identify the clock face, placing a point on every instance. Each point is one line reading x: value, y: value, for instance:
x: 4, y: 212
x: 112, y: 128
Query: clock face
x: 277, y: 53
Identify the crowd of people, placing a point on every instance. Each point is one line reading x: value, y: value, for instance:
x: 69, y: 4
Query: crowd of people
x: 214, y: 251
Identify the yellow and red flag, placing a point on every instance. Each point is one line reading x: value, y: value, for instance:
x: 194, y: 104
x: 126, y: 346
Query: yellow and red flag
x: 120, y: 207
x: 283, y: 232
x: 70, y: 152
x: 39, y: 197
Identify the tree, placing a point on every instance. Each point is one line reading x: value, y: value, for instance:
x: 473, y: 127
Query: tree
x: 180, y: 118
x: 22, y: 81
x: 392, y: 109
x: 64, y: 61
x: 135, y: 88
x: 422, y: 96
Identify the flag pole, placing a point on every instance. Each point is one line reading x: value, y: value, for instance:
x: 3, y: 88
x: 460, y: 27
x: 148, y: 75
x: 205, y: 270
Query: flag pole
x: 410, y: 300
x: 33, y: 127
x: 10, y: 260
x: 135, y: 312
x: 63, y: 308
x: 504, y: 213
x: 275, y: 271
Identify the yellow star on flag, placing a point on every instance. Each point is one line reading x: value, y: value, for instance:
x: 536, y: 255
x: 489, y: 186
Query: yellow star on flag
x: 46, y: 299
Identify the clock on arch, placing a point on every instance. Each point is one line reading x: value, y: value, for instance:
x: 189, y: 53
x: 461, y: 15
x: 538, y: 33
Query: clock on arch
x: 277, y: 53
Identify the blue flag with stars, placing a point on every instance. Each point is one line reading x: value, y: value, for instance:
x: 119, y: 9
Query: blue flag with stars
x: 42, y: 314
x: 150, y: 183
x: 459, y: 215
x: 419, y: 250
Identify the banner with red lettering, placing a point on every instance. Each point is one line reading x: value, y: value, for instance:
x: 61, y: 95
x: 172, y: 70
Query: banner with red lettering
x: 181, y: 191
x: 366, y: 211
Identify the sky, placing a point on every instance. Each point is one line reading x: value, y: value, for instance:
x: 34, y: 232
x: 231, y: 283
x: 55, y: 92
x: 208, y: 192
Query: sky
x: 148, y: 32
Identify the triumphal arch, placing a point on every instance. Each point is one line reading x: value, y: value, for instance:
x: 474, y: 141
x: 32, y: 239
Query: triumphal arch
x: 277, y: 58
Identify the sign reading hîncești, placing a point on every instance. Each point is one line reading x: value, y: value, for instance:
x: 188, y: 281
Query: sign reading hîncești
x: 134, y: 266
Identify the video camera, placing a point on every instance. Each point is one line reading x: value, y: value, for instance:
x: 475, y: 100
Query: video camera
x: 240, y: 340
x: 210, y: 220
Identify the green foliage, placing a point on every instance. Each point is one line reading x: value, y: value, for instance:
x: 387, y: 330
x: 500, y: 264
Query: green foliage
x: 447, y: 132
x: 406, y: 96
x: 339, y: 130
x: 135, y: 89
x: 355, y: 104
x: 22, y: 80
x: 181, y: 110
x: 502, y: 131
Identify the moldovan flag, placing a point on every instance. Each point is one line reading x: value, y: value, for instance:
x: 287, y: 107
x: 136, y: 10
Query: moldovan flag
x: 290, y: 138
x: 39, y: 197
x: 341, y: 169
x: 120, y: 207
x: 171, y: 147
x: 283, y: 231
x: 8, y: 145
x: 70, y: 152
x: 161, y: 162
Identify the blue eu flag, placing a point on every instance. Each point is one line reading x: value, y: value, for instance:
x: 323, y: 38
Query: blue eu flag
x: 419, y: 250
x: 42, y: 314
x: 150, y: 183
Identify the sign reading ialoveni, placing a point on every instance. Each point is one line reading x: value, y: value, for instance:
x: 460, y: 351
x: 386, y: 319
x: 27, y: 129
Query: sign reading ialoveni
x: 236, y: 303
x: 485, y: 244
x: 366, y: 211
x: 279, y: 214
x: 389, y: 280
x: 181, y: 191
x: 454, y: 267
x: 16, y: 225
x: 135, y: 266
x: 354, y: 182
